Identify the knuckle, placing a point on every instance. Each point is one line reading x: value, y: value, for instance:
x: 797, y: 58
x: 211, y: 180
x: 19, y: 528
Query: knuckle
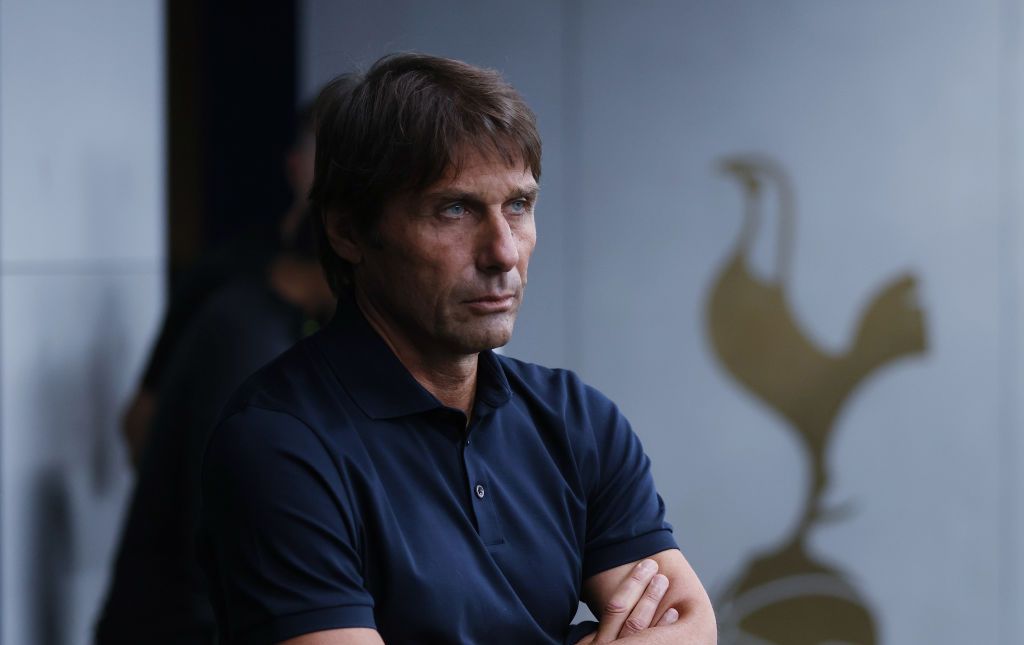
x: 615, y: 607
x: 644, y: 570
x: 657, y: 588
x: 635, y: 624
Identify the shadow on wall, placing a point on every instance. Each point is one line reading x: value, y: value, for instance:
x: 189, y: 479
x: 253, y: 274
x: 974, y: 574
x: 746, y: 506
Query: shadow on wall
x: 51, y: 539
x: 785, y: 595
x: 68, y: 527
x: 106, y: 357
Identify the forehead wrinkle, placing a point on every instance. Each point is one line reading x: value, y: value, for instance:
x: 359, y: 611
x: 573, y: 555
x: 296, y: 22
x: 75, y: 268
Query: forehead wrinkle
x: 457, y: 188
x: 467, y: 155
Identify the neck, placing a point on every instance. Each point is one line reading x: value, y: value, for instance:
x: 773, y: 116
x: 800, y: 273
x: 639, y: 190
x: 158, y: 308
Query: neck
x: 290, y: 279
x: 451, y: 378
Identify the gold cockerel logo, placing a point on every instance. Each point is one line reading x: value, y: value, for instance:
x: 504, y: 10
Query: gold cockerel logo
x: 784, y: 595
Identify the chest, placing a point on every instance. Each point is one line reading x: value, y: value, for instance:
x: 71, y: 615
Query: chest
x: 472, y: 541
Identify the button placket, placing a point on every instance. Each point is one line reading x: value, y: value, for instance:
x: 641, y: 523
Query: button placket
x: 481, y: 494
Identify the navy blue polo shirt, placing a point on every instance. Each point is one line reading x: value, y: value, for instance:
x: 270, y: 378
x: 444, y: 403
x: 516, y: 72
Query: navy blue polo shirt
x: 338, y: 492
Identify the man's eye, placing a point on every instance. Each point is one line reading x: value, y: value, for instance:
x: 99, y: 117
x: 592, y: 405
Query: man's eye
x: 454, y: 210
x: 519, y: 206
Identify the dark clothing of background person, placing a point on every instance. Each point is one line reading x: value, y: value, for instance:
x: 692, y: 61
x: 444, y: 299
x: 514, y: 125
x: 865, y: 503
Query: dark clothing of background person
x: 245, y: 256
x: 157, y: 592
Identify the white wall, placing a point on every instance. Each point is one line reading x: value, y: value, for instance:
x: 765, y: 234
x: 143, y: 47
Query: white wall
x: 901, y: 125
x: 886, y: 115
x: 81, y: 257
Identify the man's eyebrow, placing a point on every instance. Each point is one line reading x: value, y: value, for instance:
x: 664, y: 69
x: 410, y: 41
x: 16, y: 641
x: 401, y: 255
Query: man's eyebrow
x: 450, y: 196
x: 519, y: 192
x: 527, y: 192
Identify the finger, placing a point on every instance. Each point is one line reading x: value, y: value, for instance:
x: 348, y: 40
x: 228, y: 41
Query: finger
x: 643, y: 613
x: 623, y: 599
x: 670, y: 617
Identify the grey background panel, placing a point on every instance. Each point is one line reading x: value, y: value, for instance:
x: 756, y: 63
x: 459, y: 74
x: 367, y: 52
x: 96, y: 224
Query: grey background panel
x: 81, y: 86
x: 72, y: 348
x: 81, y: 287
x: 886, y: 123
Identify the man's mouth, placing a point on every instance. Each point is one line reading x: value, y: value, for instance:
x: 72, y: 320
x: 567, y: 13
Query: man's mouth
x: 493, y: 303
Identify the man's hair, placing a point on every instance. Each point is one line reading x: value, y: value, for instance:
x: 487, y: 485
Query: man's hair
x: 399, y: 128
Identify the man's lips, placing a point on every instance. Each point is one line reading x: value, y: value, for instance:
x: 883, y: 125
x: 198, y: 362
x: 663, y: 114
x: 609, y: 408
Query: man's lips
x: 500, y: 297
x: 497, y: 302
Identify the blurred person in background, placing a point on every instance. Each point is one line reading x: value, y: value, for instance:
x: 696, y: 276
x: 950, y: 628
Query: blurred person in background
x: 157, y: 593
x: 247, y: 255
x: 391, y: 478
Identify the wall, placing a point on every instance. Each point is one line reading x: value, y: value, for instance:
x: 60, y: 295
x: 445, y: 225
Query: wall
x: 899, y: 127
x: 81, y: 284
x: 887, y: 118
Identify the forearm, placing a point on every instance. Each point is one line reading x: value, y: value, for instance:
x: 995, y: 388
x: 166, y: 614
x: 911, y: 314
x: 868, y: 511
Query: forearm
x: 681, y: 633
x: 697, y: 627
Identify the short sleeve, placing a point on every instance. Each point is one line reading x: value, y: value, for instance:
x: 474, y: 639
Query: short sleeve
x: 279, y: 537
x: 625, y: 514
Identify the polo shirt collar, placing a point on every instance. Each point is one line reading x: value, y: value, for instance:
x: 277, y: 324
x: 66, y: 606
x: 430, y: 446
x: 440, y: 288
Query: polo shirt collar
x: 492, y: 386
x: 377, y: 380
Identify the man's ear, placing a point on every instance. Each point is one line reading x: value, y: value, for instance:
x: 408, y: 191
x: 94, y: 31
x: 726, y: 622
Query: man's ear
x: 342, y: 236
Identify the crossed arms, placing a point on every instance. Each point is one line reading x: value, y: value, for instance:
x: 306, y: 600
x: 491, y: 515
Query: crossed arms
x: 631, y: 606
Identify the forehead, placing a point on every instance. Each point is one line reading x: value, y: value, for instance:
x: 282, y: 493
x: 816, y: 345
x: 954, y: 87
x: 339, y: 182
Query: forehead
x: 474, y: 170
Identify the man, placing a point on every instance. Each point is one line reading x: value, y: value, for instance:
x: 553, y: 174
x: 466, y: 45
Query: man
x: 246, y: 256
x: 391, y: 479
x: 157, y: 593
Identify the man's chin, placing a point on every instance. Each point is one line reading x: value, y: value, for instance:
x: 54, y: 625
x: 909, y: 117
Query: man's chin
x: 487, y: 337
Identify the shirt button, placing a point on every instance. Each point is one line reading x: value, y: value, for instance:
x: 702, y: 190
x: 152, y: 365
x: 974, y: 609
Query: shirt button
x: 480, y: 492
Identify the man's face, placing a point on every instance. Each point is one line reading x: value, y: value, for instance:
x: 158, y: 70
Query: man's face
x: 447, y: 272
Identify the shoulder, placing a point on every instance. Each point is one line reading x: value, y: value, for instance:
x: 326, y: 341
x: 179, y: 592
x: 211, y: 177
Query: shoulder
x: 249, y: 442
x: 559, y: 399
x: 223, y: 343
x: 295, y: 399
x: 561, y: 389
x: 295, y: 383
x: 262, y: 451
x: 239, y: 328
x: 247, y: 308
x: 593, y: 423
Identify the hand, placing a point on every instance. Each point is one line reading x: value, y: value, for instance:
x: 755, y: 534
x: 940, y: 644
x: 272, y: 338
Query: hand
x: 632, y: 606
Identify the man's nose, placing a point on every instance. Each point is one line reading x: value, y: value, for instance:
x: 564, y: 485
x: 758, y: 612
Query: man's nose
x: 498, y: 250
